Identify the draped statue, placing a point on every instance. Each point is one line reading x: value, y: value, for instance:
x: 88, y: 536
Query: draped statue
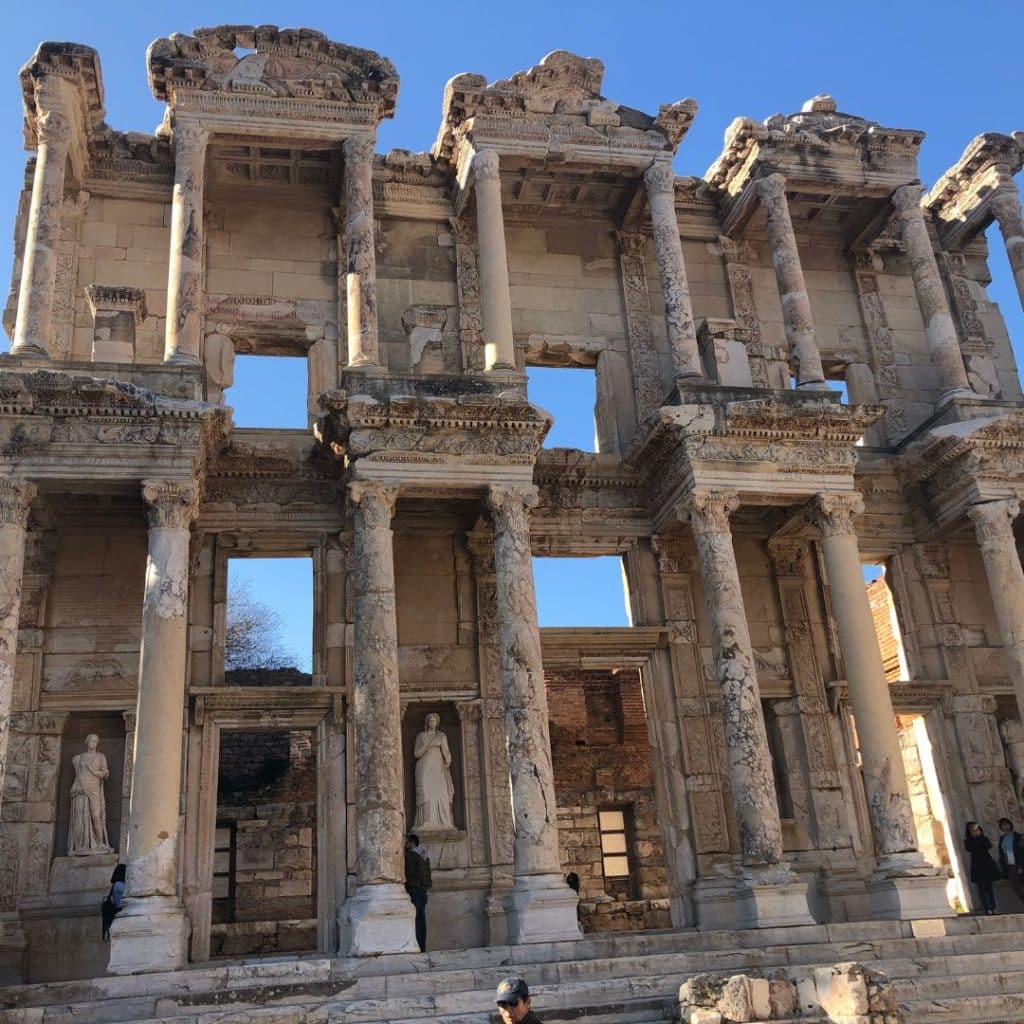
x: 87, y: 829
x: 434, y: 786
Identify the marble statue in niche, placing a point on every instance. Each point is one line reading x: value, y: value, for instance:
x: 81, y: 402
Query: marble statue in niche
x: 434, y: 787
x: 87, y: 829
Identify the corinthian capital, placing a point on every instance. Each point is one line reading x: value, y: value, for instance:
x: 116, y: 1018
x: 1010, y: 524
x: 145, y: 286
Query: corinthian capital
x: 1004, y: 202
x: 907, y: 198
x: 373, y: 504
x: 708, y: 511
x: 16, y: 497
x: 993, y: 522
x: 510, y: 507
x: 659, y: 177
x: 834, y: 514
x: 53, y: 127
x: 772, y: 188
x: 170, y: 504
x: 189, y: 141
x: 486, y: 165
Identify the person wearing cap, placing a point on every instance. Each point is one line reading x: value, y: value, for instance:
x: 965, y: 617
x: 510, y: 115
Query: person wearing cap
x: 514, y: 1004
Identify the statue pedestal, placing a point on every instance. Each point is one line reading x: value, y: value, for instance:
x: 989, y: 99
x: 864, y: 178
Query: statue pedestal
x: 542, y: 908
x: 379, y: 919
x: 81, y: 881
x: 149, y: 935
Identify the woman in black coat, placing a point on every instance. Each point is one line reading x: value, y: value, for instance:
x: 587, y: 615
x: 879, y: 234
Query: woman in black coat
x: 984, y: 870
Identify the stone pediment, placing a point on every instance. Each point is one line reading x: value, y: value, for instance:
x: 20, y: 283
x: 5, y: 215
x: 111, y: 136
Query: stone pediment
x: 562, y: 94
x: 818, y: 142
x: 279, y: 63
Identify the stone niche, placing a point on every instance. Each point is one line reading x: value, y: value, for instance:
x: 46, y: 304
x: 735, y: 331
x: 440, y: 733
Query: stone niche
x: 412, y: 725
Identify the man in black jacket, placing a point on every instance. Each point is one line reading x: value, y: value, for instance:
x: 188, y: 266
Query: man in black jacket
x: 417, y: 882
x: 514, y: 1004
x: 1011, y: 856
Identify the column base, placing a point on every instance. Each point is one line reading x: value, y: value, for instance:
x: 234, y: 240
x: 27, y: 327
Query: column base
x: 904, y: 887
x: 366, y: 366
x: 30, y: 351
x: 541, y: 908
x: 770, y: 898
x: 380, y: 919
x: 182, y: 359
x: 960, y: 393
x: 151, y: 934
x: 812, y: 385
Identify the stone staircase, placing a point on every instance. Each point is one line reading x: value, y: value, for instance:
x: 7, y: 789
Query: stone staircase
x: 967, y: 969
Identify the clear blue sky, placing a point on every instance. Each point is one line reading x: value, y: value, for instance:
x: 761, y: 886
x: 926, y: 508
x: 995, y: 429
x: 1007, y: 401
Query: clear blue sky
x: 940, y: 66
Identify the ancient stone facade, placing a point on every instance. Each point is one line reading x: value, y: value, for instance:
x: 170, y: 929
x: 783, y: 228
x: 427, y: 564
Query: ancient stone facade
x: 754, y: 764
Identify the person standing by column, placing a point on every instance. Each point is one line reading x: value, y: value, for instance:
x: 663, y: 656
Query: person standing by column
x: 417, y: 882
x: 983, y: 871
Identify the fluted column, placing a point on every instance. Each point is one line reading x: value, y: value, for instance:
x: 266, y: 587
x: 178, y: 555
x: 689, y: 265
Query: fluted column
x: 789, y: 278
x: 380, y: 915
x: 185, y: 269
x: 492, y: 262
x: 1005, y: 206
x: 39, y: 267
x: 15, y: 501
x: 675, y: 289
x: 885, y: 780
x: 746, y: 741
x: 152, y: 931
x: 993, y: 526
x: 541, y: 907
x: 931, y: 297
x: 361, y: 275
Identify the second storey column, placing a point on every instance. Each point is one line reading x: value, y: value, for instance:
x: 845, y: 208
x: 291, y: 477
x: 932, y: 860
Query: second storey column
x: 185, y: 272
x: 1006, y: 208
x: 789, y: 277
x: 380, y: 916
x: 495, y: 297
x: 361, y: 266
x: 931, y: 296
x: 541, y: 907
x: 668, y: 249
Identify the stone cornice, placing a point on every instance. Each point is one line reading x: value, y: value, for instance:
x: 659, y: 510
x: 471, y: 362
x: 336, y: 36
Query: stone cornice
x: 75, y: 65
x: 817, y: 144
x: 298, y: 72
x: 607, y: 647
x: 960, y: 199
x: 556, y: 107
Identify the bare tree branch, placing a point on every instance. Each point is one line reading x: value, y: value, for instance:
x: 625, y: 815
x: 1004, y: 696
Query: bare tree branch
x: 253, y: 634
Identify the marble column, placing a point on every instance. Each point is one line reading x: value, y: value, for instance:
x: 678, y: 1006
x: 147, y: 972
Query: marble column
x: 361, y: 256
x: 903, y: 885
x: 993, y: 526
x: 42, y: 239
x: 152, y: 932
x: 931, y: 296
x: 380, y: 918
x: 768, y: 893
x: 15, y: 501
x: 789, y: 277
x: 492, y: 262
x: 540, y: 907
x: 185, y: 272
x: 668, y: 250
x: 1005, y: 206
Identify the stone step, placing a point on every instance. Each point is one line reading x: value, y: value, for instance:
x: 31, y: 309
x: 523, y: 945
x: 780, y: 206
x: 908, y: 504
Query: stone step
x: 955, y: 986
x: 981, y: 1009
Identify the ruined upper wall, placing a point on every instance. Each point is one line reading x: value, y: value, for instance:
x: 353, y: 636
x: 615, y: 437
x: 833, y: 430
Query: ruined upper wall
x: 244, y: 222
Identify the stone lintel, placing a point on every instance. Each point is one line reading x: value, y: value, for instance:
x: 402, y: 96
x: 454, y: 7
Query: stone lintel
x: 600, y: 647
x: 116, y: 299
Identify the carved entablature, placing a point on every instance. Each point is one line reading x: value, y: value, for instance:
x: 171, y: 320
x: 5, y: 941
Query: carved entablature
x: 555, y: 108
x: 961, y: 200
x: 776, y: 450
x: 451, y: 443
x: 962, y: 464
x: 129, y: 163
x: 290, y: 75
x: 412, y: 186
x: 63, y: 81
x: 50, y: 421
x: 818, y: 150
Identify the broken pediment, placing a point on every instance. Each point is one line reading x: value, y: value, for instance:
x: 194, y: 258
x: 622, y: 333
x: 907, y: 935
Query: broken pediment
x: 562, y: 92
x: 269, y: 62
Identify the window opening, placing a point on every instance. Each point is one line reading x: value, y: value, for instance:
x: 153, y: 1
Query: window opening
x: 615, y: 827
x: 887, y: 625
x: 268, y: 636
x: 581, y: 591
x: 271, y: 392
x: 570, y: 395
x: 776, y: 748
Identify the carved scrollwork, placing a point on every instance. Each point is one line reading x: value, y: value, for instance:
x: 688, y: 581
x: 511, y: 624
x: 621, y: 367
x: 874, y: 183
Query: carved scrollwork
x: 373, y: 504
x: 510, y: 507
x: 834, y: 514
x: 486, y: 165
x: 708, y: 511
x: 170, y: 504
x: 16, y: 497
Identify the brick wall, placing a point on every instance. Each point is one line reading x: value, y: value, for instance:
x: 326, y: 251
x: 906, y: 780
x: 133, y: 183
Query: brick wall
x: 882, y: 611
x: 602, y: 759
